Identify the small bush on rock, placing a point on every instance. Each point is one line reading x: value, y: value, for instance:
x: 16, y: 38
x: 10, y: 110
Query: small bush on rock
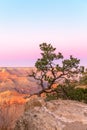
x: 68, y: 92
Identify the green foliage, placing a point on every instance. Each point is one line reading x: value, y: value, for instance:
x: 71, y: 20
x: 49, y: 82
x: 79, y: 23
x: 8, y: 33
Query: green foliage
x: 76, y: 94
x: 52, y: 62
x: 69, y: 92
x: 52, y: 67
x: 51, y: 97
x: 48, y: 55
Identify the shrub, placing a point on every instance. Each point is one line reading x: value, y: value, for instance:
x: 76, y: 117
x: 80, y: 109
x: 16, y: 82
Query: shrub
x: 69, y: 92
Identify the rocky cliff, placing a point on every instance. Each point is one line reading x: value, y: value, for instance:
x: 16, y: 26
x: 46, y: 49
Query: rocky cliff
x: 17, y: 79
x: 53, y: 115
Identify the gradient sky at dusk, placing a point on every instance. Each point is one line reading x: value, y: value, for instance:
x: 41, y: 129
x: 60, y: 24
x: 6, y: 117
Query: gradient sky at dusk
x: 24, y: 24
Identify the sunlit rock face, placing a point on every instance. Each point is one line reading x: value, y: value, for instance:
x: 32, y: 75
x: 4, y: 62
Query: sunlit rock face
x: 53, y: 115
x: 15, y: 85
x: 17, y: 79
x: 11, y: 108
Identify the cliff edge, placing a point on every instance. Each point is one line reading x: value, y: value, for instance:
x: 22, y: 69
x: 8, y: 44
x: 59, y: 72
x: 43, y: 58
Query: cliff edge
x: 53, y: 115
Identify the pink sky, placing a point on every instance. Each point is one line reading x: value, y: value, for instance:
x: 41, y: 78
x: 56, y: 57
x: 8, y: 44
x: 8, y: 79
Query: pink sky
x: 25, y: 25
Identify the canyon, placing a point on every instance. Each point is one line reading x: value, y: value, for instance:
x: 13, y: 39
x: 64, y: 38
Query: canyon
x: 15, y: 86
x: 19, y: 112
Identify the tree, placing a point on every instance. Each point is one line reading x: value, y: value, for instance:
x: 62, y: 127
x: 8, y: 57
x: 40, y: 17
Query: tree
x: 52, y: 67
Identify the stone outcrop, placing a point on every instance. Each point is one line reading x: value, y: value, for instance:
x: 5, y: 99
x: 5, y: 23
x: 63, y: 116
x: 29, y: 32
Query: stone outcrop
x: 53, y: 115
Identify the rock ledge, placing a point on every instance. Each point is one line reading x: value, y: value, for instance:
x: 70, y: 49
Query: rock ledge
x: 53, y: 115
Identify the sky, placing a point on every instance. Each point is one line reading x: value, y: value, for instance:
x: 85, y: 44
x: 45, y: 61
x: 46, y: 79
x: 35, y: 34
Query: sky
x: 24, y: 24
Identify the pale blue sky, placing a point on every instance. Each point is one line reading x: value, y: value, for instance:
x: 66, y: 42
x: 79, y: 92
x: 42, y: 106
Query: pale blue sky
x: 24, y: 24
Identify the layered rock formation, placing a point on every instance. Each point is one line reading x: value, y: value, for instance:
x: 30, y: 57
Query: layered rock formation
x: 15, y: 85
x: 11, y: 108
x: 17, y: 79
x: 53, y: 115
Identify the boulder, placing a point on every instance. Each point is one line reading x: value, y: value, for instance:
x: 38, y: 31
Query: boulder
x: 53, y: 115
